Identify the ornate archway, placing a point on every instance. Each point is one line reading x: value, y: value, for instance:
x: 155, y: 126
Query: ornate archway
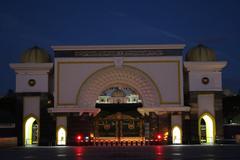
x: 207, y: 128
x: 95, y: 84
x: 31, y: 130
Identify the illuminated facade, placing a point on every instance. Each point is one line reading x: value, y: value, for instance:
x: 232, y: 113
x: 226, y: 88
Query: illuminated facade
x: 123, y: 93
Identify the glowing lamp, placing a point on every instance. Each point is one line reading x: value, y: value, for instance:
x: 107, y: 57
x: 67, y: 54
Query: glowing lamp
x: 79, y: 137
x: 159, y: 136
x: 91, y: 135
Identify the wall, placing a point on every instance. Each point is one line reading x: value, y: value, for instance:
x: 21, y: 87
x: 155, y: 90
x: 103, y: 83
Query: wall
x: 165, y: 72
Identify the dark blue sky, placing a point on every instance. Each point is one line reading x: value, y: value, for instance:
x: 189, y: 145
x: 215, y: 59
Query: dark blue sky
x: 215, y: 23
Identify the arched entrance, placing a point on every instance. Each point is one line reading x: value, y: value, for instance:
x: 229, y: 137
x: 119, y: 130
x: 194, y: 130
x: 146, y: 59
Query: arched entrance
x: 61, y: 136
x: 112, y: 76
x: 207, y: 128
x: 31, y: 131
x: 119, y: 119
x: 176, y: 135
x: 119, y: 92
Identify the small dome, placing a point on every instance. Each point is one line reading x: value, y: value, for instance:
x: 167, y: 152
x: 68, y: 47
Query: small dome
x: 35, y: 55
x: 118, y: 93
x: 201, y: 53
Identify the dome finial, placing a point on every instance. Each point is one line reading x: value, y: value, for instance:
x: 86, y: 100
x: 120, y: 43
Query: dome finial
x: 35, y: 55
x: 200, y: 53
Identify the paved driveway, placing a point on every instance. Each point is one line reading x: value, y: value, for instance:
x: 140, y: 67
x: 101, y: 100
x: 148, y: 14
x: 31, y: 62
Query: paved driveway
x: 186, y: 152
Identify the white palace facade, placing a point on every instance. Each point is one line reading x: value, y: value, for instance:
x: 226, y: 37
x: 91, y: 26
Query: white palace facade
x: 119, y: 93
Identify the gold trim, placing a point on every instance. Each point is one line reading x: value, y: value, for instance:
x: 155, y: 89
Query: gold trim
x: 179, y: 77
x: 179, y: 83
x: 153, y: 82
x: 152, y: 61
x: 74, y: 62
x: 110, y: 62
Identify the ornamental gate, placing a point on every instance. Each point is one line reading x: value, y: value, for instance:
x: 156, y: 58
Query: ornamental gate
x: 117, y: 124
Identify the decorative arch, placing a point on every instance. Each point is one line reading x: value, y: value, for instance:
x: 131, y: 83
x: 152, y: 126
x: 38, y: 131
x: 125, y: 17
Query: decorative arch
x: 120, y: 85
x: 61, y: 135
x: 109, y: 76
x: 28, y: 122
x: 210, y: 128
x: 176, y: 135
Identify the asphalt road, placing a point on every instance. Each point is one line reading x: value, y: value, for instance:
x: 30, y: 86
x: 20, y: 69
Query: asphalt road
x: 180, y: 152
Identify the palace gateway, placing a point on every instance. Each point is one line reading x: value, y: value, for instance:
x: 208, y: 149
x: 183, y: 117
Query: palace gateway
x: 119, y: 94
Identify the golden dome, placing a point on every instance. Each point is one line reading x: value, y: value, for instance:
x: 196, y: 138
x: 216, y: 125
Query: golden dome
x: 118, y: 93
x: 35, y: 55
x: 201, y: 53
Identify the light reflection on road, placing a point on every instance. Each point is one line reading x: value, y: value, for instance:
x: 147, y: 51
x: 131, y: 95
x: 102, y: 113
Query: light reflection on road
x: 79, y: 153
x: 162, y: 152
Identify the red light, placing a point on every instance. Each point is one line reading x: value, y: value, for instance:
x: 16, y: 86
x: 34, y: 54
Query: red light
x: 79, y: 137
x: 159, y: 136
